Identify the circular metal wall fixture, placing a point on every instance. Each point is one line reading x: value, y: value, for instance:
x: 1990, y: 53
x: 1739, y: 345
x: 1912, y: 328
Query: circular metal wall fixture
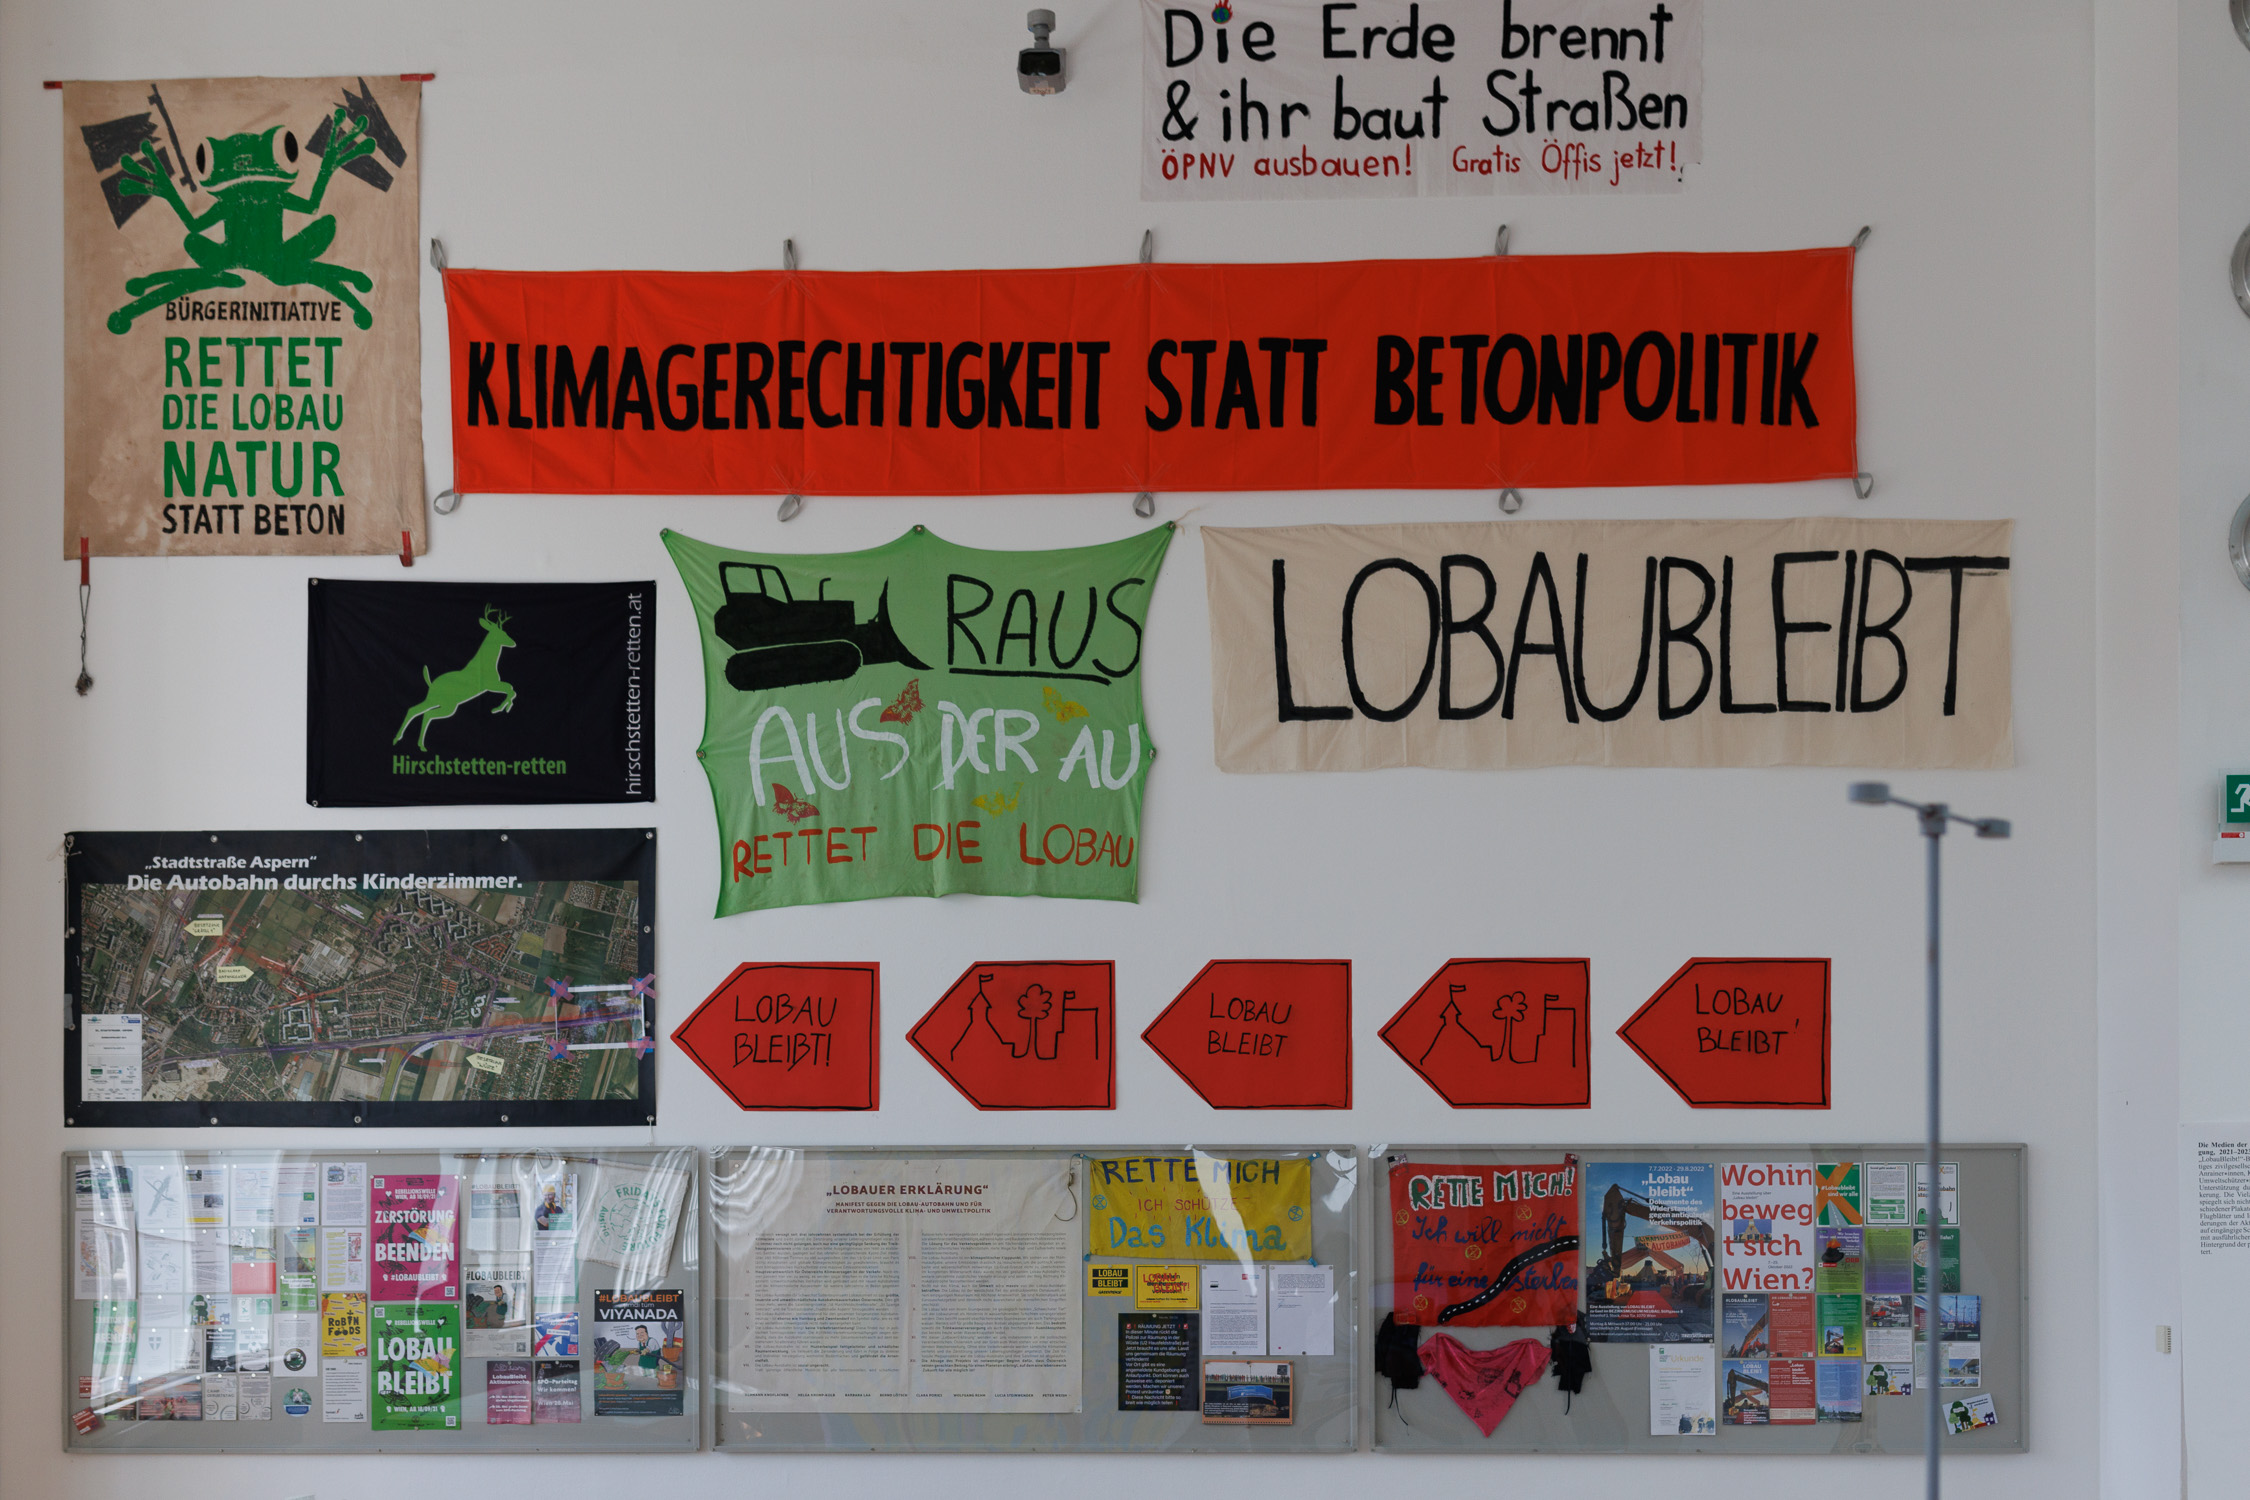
x: 2238, y: 541
x: 2238, y: 264
x: 2239, y: 11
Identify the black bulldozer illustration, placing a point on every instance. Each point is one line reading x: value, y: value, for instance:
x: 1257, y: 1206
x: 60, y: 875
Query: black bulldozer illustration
x: 780, y: 641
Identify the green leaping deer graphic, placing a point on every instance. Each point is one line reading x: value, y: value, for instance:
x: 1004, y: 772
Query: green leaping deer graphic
x: 445, y: 694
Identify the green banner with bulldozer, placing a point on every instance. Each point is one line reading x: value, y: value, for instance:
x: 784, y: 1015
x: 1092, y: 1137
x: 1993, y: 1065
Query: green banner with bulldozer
x: 923, y: 718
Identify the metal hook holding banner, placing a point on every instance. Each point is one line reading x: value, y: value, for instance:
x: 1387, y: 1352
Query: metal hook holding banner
x: 1500, y: 241
x: 1863, y: 483
x: 789, y: 255
x: 1511, y: 501
x: 790, y: 505
x: 437, y: 253
x: 1148, y: 246
x: 446, y: 502
x: 1144, y: 505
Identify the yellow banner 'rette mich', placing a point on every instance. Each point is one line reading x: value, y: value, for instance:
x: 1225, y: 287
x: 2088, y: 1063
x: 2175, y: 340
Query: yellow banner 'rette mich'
x: 242, y: 316
x: 1481, y: 645
x: 1198, y: 1207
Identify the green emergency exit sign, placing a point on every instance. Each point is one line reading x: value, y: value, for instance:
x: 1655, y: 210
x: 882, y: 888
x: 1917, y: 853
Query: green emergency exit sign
x: 2238, y: 799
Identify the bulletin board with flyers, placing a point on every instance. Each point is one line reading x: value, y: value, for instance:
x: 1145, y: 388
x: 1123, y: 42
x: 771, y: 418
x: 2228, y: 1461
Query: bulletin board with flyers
x: 381, y: 1301
x: 1095, y: 1300
x: 1735, y: 1299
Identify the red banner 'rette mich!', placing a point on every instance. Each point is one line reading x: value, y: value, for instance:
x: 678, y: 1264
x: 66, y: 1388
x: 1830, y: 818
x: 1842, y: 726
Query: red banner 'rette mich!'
x: 1449, y: 374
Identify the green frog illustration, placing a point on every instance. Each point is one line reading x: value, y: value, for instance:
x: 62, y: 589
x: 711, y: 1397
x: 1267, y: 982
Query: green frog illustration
x: 250, y: 189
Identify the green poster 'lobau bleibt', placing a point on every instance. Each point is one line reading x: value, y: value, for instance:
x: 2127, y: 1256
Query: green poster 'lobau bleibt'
x: 923, y: 718
x: 417, y: 1365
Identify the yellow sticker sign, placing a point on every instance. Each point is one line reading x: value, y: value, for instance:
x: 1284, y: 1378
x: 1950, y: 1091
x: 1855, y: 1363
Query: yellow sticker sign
x: 343, y: 1325
x: 1200, y: 1207
x: 207, y: 927
x: 1165, y: 1287
x: 1109, y: 1281
x: 232, y: 974
x: 485, y: 1062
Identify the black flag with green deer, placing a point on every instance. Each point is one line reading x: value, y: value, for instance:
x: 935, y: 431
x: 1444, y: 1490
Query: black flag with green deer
x: 428, y: 694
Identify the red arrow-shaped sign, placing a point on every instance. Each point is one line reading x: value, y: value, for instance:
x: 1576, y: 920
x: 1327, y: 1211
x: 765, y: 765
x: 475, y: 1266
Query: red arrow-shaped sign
x: 1499, y: 1033
x: 791, y: 1036
x: 1262, y: 1034
x: 1027, y: 1035
x: 1739, y: 1033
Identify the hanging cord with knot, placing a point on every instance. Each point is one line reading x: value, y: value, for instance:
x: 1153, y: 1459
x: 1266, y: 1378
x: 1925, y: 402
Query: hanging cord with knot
x: 85, y: 598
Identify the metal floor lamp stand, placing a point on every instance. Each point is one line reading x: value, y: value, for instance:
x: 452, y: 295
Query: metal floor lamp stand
x: 1933, y: 817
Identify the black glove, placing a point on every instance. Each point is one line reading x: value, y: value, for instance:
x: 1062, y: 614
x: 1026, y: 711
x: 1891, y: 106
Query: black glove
x: 1573, y: 1359
x: 1396, y: 1356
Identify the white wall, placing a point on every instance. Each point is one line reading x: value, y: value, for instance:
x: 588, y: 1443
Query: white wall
x: 888, y: 134
x: 2139, y: 307
x: 2214, y: 715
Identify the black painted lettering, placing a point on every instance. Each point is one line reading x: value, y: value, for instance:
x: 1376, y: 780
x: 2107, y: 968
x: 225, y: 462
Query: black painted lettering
x: 1287, y: 709
x: 1624, y: 706
x: 1885, y: 630
x: 1473, y: 624
x: 1670, y: 634
x: 1784, y: 627
x: 1351, y: 652
x: 1557, y: 645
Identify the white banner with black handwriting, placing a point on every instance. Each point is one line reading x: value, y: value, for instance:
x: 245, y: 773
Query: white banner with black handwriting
x: 1629, y: 643
x: 1389, y: 99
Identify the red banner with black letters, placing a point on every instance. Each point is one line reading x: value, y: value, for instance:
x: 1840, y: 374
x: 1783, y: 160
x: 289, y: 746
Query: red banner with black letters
x: 1479, y: 1246
x: 1446, y: 374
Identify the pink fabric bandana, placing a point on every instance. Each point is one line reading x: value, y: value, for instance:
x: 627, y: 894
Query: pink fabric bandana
x: 1483, y: 1382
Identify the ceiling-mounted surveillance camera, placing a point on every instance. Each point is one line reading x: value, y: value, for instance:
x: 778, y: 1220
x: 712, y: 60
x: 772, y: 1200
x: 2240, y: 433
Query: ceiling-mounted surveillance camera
x: 1039, y: 67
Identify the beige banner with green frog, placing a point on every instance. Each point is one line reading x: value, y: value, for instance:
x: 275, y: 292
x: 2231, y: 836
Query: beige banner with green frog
x: 242, y: 317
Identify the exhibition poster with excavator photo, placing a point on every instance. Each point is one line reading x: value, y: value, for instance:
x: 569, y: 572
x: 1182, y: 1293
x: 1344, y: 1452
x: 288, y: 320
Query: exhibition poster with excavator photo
x: 923, y: 718
x: 1651, y: 1251
x: 242, y: 317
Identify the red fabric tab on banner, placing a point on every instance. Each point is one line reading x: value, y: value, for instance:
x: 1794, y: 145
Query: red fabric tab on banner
x: 1523, y: 370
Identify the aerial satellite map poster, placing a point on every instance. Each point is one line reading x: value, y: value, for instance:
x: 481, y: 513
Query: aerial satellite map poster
x: 443, y: 978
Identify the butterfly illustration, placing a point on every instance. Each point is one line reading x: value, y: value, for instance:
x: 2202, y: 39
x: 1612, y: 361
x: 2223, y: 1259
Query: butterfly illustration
x: 997, y: 803
x: 796, y: 809
x: 1062, y: 708
x: 906, y: 705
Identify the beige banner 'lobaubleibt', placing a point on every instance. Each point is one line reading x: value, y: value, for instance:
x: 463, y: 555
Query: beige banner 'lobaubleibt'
x: 1625, y: 643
